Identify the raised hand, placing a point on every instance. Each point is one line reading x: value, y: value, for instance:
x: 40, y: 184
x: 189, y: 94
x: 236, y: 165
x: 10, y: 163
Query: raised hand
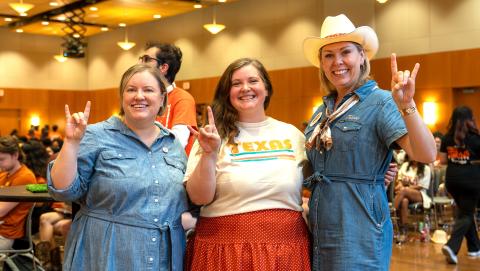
x: 76, y: 123
x: 208, y: 136
x: 403, y: 84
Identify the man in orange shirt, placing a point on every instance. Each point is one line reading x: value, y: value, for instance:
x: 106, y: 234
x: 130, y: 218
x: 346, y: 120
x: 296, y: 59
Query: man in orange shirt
x: 12, y: 172
x: 181, y: 111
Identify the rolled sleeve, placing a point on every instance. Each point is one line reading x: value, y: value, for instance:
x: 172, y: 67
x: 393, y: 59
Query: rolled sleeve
x: 391, y: 125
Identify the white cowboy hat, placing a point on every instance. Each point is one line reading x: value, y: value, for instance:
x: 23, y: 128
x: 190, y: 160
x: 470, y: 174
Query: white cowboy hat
x: 439, y: 237
x: 337, y: 29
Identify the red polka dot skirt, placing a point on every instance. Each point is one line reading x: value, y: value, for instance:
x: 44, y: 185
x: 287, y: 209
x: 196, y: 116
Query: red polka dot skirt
x: 275, y: 239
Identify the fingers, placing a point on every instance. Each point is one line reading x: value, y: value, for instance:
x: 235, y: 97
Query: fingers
x: 67, y: 112
x: 193, y: 131
x: 86, y: 112
x: 393, y: 63
x: 211, y: 119
x: 415, y: 71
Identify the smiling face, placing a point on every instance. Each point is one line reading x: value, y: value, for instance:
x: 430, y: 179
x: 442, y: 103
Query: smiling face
x: 142, y: 98
x: 248, y: 93
x: 340, y: 63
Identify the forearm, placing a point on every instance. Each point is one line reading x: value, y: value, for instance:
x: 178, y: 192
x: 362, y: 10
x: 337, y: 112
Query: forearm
x: 64, y: 168
x: 202, y: 183
x: 420, y: 142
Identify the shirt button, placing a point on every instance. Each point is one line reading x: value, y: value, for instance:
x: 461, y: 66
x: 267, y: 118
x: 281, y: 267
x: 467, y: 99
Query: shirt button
x: 165, y: 224
x: 165, y: 149
x: 150, y: 259
x: 156, y: 181
x: 153, y: 166
x: 155, y: 220
x: 119, y: 155
x: 154, y: 239
x: 150, y: 152
x: 156, y: 200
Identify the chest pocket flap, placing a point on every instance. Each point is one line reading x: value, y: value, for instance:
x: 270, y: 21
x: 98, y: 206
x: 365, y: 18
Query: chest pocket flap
x: 175, y: 163
x: 108, y: 155
x: 348, y: 126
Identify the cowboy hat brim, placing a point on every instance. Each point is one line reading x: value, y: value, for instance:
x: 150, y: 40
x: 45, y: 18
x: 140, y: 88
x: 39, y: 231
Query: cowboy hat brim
x: 363, y: 35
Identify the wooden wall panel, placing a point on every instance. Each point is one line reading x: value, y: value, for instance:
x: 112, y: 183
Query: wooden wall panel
x: 296, y: 91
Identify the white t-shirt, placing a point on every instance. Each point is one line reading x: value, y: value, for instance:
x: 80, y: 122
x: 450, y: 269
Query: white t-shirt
x: 261, y: 172
x: 424, y: 182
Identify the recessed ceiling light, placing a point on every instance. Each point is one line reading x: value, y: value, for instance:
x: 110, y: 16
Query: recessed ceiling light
x: 122, y: 24
x: 61, y: 18
x: 45, y: 23
x: 19, y: 30
x: 104, y: 29
x: 76, y: 35
x: 222, y: 1
x: 23, y: 14
x: 8, y: 19
x: 197, y: 6
x: 54, y: 4
x: 157, y: 16
x: 93, y: 8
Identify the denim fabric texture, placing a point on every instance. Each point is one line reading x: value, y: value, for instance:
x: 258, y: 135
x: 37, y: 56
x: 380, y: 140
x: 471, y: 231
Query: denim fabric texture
x: 131, y: 198
x: 349, y: 215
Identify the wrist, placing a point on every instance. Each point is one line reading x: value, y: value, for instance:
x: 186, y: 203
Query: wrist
x: 407, y: 108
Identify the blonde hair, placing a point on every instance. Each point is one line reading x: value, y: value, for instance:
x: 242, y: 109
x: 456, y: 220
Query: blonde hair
x: 329, y: 88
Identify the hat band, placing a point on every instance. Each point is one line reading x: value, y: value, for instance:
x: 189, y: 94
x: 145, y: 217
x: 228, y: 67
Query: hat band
x: 335, y: 35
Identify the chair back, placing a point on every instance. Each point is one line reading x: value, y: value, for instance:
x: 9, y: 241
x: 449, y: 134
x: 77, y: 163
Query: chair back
x: 28, y: 235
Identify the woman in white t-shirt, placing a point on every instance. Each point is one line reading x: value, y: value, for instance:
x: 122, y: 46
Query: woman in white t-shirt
x: 413, y: 183
x: 244, y: 170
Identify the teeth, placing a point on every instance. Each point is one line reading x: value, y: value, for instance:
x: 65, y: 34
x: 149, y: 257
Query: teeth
x: 340, y: 72
x: 249, y: 97
x: 139, y: 106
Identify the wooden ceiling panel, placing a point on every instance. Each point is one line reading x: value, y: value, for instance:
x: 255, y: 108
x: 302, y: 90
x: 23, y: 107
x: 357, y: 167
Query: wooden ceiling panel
x: 108, y: 13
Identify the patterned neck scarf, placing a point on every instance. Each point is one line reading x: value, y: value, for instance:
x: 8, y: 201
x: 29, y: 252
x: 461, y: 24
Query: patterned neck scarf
x: 322, y: 135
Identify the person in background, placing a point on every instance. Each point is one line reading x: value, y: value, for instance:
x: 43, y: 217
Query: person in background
x: 460, y: 151
x: 245, y: 172
x: 180, y: 112
x: 54, y: 134
x: 126, y: 173
x: 13, y: 172
x: 349, y: 215
x: 414, y: 180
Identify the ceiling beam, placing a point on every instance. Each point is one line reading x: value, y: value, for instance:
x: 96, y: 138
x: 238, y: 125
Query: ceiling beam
x: 46, y: 16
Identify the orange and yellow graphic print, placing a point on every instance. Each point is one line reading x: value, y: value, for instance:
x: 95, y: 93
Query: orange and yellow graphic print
x: 252, y: 151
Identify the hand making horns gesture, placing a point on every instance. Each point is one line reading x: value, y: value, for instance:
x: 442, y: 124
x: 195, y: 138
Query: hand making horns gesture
x: 208, y: 136
x: 76, y: 123
x: 403, y: 83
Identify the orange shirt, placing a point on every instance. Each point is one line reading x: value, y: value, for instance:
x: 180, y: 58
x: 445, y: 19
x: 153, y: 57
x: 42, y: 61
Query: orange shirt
x: 13, y: 226
x: 180, y: 110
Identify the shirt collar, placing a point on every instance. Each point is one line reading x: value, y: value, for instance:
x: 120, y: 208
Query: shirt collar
x: 171, y: 87
x: 115, y: 123
x: 362, y: 92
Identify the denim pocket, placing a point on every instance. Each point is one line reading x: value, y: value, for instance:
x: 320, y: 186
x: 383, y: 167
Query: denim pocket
x: 117, y: 164
x: 345, y: 134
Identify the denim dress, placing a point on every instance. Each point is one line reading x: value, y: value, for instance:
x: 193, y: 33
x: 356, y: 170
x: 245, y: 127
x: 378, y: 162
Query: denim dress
x: 349, y: 214
x: 131, y: 198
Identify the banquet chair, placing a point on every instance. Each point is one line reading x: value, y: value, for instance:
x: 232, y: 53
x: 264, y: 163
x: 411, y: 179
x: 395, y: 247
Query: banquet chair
x: 21, y: 247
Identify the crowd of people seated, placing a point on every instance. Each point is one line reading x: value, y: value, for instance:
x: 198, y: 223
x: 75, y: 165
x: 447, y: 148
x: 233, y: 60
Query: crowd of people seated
x: 24, y: 160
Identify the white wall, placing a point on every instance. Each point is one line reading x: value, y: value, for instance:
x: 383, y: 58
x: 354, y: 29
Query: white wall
x: 26, y: 61
x: 270, y: 30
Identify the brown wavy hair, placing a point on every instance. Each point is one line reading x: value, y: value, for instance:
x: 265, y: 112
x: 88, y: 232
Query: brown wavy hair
x: 461, y: 123
x: 225, y: 114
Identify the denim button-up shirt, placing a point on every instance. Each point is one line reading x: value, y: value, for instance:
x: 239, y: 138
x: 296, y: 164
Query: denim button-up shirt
x: 349, y: 215
x: 131, y: 197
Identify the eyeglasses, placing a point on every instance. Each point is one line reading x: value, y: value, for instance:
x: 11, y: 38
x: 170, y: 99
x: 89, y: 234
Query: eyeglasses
x: 148, y: 59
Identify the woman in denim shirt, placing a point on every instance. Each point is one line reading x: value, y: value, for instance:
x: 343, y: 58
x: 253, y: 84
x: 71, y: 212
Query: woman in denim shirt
x: 126, y: 172
x: 349, y: 143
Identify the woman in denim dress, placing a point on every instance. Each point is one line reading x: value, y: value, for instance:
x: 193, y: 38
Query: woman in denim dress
x: 126, y: 173
x: 349, y: 144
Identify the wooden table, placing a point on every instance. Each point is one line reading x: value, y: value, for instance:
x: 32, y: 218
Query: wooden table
x: 19, y: 193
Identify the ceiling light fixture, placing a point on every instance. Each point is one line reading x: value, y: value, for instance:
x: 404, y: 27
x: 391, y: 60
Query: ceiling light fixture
x: 214, y: 28
x: 382, y: 1
x: 21, y: 7
x: 53, y: 4
x: 104, y: 29
x: 197, y: 6
x: 60, y: 58
x: 126, y: 45
x: 157, y: 16
x: 19, y: 30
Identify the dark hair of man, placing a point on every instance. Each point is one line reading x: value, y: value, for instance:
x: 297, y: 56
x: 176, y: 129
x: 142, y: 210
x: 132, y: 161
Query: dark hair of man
x: 224, y: 112
x: 36, y: 158
x: 168, y: 54
x: 9, y: 145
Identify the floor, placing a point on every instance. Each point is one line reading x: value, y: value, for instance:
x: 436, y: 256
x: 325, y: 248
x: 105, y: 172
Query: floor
x: 416, y: 255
